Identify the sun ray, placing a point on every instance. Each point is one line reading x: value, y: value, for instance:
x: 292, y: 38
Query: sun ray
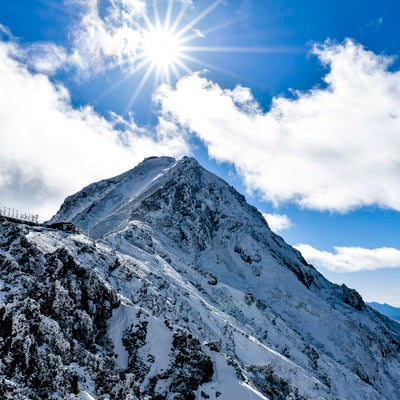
x: 178, y: 19
x: 163, y: 74
x: 175, y: 70
x: 124, y: 78
x: 184, y: 66
x: 168, y: 15
x: 149, y: 24
x: 156, y: 15
x: 113, y: 87
x: 234, y: 49
x: 157, y: 76
x: 207, y: 65
x: 139, y: 88
x: 167, y: 72
x: 198, y: 18
x: 207, y: 31
x: 189, y: 38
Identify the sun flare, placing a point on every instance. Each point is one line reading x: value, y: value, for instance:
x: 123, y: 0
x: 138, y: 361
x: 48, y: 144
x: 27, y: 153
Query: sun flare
x: 161, y: 47
x: 167, y: 42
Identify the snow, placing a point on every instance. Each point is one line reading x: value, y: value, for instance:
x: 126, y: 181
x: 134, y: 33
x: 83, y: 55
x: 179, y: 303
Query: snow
x: 106, y: 200
x: 87, y: 386
x: 159, y: 343
x: 159, y: 338
x: 121, y: 319
x: 386, y: 309
x: 227, y: 384
x: 85, y: 396
x: 46, y: 240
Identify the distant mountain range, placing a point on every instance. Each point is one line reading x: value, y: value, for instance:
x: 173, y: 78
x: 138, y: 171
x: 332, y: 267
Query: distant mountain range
x: 386, y: 309
x: 164, y: 283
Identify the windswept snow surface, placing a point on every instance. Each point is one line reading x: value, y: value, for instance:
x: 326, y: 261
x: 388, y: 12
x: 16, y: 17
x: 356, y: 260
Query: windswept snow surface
x: 98, y: 201
x: 120, y: 321
x: 191, y: 295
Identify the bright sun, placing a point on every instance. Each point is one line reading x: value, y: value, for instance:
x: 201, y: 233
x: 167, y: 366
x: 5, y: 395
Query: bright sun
x: 161, y: 47
x: 165, y: 44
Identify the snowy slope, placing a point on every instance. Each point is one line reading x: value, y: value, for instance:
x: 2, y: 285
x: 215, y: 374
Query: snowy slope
x: 386, y: 309
x: 202, y: 299
x: 100, y: 200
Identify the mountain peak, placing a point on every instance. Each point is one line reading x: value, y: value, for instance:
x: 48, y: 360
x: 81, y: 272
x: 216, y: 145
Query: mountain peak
x: 154, y: 161
x: 177, y: 204
x: 120, y: 194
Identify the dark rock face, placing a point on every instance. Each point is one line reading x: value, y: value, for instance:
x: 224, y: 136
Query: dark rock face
x: 352, y: 298
x: 49, y: 320
x: 196, y: 366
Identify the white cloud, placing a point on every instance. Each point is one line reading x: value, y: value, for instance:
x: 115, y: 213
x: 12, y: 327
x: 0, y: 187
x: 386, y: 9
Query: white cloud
x: 352, y: 259
x: 49, y: 149
x: 330, y: 148
x: 108, y: 37
x: 198, y: 33
x: 105, y: 34
x: 45, y: 57
x: 278, y: 222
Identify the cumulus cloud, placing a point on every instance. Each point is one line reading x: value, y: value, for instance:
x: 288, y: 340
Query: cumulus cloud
x: 198, y: 33
x: 49, y: 149
x: 352, y: 259
x: 45, y: 57
x: 335, y: 147
x: 107, y: 36
x: 278, y: 222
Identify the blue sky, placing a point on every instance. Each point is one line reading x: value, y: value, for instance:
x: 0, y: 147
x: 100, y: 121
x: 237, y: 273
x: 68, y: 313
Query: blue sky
x: 294, y: 103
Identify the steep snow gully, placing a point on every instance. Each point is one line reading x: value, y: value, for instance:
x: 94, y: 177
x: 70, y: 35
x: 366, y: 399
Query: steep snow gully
x: 174, y: 287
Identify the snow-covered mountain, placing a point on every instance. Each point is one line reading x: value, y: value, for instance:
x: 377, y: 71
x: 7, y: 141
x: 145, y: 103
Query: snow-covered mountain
x: 175, y: 288
x: 386, y: 309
